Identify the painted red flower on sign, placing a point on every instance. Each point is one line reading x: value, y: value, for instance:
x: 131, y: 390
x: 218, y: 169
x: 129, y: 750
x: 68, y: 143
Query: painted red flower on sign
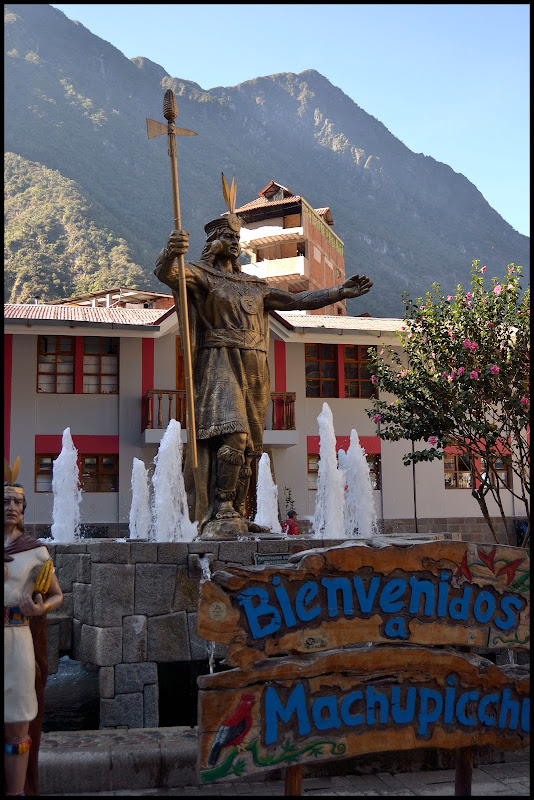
x: 488, y: 559
x: 510, y: 569
x: 464, y: 570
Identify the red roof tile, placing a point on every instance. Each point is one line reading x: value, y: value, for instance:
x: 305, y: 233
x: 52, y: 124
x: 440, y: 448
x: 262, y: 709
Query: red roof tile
x: 117, y: 316
x: 260, y: 202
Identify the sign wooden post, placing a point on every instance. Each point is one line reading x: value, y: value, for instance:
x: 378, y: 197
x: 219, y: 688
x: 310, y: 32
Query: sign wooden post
x: 334, y: 656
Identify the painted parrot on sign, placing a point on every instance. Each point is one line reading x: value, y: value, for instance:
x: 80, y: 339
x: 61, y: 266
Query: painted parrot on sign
x: 234, y: 728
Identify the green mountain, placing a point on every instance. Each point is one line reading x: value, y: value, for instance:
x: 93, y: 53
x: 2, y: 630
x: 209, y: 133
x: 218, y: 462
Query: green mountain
x: 88, y: 196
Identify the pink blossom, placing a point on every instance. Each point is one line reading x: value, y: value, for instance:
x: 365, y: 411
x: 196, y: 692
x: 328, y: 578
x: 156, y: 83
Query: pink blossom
x: 491, y: 324
x: 373, y: 378
x: 483, y: 269
x: 468, y: 295
x: 432, y: 441
x: 510, y: 270
x: 524, y: 401
x: 449, y: 297
x: 450, y: 378
x: 392, y: 403
x: 497, y: 289
x: 482, y: 299
x: 381, y: 352
x: 494, y: 370
x: 469, y: 303
x: 403, y: 373
x: 466, y: 343
x: 473, y: 346
x: 443, y: 374
x: 461, y: 370
x: 377, y: 417
x: 432, y: 355
x: 473, y: 375
x: 510, y: 286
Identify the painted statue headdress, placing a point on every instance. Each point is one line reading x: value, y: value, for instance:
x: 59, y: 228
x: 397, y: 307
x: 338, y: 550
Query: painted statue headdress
x: 10, y: 476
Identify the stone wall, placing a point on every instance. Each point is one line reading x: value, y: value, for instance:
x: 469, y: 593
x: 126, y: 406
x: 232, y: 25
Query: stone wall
x: 130, y: 605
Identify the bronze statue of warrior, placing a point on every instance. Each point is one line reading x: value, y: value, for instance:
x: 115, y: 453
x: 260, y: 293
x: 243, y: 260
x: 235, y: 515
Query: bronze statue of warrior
x: 229, y: 326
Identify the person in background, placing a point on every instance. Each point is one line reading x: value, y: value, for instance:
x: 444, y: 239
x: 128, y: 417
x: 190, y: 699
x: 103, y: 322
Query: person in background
x: 289, y: 526
x: 31, y: 590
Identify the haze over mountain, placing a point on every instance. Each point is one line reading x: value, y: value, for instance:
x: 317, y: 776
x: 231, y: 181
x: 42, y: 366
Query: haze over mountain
x: 88, y: 196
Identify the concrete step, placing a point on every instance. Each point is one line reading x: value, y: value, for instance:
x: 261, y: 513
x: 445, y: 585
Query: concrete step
x: 140, y: 759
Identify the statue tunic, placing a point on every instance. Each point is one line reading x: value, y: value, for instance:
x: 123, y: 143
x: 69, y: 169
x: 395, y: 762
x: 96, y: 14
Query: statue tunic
x: 20, y: 699
x: 230, y: 335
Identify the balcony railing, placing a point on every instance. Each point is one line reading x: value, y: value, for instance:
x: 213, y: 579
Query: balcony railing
x: 162, y: 405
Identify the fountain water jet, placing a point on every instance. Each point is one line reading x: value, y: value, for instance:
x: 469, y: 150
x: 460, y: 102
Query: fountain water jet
x: 169, y: 502
x: 330, y: 499
x: 267, y: 497
x: 206, y: 576
x: 67, y: 494
x: 140, y: 520
x: 360, y: 512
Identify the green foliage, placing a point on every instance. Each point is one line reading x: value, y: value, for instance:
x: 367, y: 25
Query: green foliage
x: 56, y: 243
x: 462, y: 379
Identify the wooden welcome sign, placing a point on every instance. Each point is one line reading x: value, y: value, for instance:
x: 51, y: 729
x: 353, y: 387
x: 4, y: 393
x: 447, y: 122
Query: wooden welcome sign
x: 434, y: 593
x: 321, y: 702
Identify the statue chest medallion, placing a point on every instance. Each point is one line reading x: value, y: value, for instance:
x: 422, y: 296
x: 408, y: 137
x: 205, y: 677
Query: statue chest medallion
x: 249, y: 304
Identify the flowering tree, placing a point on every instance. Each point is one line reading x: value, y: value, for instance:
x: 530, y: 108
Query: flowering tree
x: 465, y: 384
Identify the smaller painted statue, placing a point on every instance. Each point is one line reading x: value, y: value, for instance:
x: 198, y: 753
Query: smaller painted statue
x: 31, y: 590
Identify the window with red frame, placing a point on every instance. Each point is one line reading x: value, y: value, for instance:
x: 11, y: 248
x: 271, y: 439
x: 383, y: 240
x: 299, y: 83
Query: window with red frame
x: 357, y: 371
x: 373, y: 460
x: 100, y: 365
x: 55, y: 364
x: 99, y: 473
x: 458, y: 471
x: 321, y: 370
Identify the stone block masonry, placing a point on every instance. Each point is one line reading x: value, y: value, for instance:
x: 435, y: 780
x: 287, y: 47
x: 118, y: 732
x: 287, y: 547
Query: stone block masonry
x: 131, y: 605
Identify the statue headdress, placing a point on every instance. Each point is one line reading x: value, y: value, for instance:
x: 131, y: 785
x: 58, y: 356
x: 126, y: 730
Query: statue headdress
x: 231, y: 220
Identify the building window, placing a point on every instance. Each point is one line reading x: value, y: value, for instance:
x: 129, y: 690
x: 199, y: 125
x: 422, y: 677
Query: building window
x: 55, y: 364
x: 502, y: 469
x: 356, y: 371
x: 100, y: 365
x: 99, y: 473
x: 43, y: 472
x: 321, y: 370
x: 313, y: 469
x: 373, y: 461
x: 458, y: 471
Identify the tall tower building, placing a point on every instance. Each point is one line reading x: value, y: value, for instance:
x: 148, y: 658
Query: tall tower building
x: 291, y: 244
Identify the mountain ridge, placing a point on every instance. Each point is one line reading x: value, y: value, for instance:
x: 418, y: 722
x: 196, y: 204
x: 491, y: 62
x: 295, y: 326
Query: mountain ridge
x: 76, y: 105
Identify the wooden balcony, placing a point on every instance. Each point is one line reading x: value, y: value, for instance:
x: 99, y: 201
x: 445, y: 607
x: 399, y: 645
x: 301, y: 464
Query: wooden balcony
x: 162, y: 405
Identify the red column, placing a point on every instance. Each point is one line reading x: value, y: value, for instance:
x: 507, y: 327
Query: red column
x: 341, y: 370
x: 8, y: 361
x: 147, y: 373
x: 78, y: 365
x: 279, y: 366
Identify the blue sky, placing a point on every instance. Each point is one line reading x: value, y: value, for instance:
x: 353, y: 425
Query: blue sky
x: 449, y: 80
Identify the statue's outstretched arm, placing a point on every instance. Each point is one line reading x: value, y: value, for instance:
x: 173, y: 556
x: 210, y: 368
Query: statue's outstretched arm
x: 280, y: 300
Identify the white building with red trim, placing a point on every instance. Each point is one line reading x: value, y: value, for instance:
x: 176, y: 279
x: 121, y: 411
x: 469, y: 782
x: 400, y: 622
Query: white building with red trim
x: 113, y: 377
